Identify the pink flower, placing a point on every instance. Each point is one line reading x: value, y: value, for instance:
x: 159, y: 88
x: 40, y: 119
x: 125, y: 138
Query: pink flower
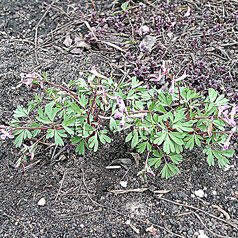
x: 118, y: 114
x: 30, y: 150
x: 41, y: 84
x: 6, y: 134
x: 178, y: 79
x: 222, y: 108
x: 233, y: 112
x: 121, y: 104
x: 226, y: 119
x: 111, y: 97
x: 123, y: 120
x: 172, y: 87
x: 227, y: 143
x: 103, y: 92
x: 165, y: 68
x: 27, y: 79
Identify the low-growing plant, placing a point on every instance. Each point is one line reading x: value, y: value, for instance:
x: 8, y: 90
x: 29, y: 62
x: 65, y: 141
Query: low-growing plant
x: 160, y: 123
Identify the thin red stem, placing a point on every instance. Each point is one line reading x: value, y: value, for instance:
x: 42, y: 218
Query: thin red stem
x: 92, y: 107
x: 68, y: 91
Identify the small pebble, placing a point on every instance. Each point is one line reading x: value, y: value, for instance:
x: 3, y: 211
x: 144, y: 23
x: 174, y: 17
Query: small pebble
x: 41, y: 202
x: 202, y: 234
x: 214, y: 193
x: 123, y: 184
x: 226, y: 168
x: 199, y: 193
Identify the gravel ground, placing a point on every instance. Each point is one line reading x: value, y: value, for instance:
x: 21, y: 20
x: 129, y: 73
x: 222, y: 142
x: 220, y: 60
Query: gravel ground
x: 78, y: 190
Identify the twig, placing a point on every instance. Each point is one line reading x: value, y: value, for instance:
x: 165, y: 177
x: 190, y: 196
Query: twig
x: 36, y: 30
x: 93, y: 5
x: 138, y: 190
x: 59, y: 153
x: 113, y: 45
x: 61, y: 184
x: 229, y: 44
x: 200, y: 219
x: 33, y: 164
x: 91, y: 30
x: 22, y: 41
x: 198, y: 209
x: 222, y: 211
x: 53, y: 155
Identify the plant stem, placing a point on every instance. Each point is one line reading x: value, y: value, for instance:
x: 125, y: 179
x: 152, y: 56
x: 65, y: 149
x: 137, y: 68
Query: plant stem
x: 68, y: 91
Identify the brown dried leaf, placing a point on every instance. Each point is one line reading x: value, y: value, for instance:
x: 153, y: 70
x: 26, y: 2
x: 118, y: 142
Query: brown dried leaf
x: 137, y: 158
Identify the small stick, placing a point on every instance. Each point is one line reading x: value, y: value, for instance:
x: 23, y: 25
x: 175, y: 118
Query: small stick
x: 36, y: 30
x: 61, y: 184
x: 198, y: 209
x: 200, y: 219
x: 91, y: 30
x: 93, y: 5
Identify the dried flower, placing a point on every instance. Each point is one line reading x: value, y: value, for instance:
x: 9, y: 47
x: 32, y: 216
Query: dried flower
x: 185, y: 75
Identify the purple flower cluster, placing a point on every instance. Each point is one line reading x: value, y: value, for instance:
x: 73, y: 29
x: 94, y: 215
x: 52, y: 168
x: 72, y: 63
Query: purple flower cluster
x: 123, y: 113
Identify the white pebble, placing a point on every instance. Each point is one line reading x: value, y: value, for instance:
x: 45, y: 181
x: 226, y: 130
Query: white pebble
x: 123, y: 184
x: 226, y: 168
x: 202, y: 234
x: 199, y: 193
x: 41, y: 202
x: 214, y: 193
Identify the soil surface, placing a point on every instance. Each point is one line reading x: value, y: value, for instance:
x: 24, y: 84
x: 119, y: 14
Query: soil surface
x: 79, y: 192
